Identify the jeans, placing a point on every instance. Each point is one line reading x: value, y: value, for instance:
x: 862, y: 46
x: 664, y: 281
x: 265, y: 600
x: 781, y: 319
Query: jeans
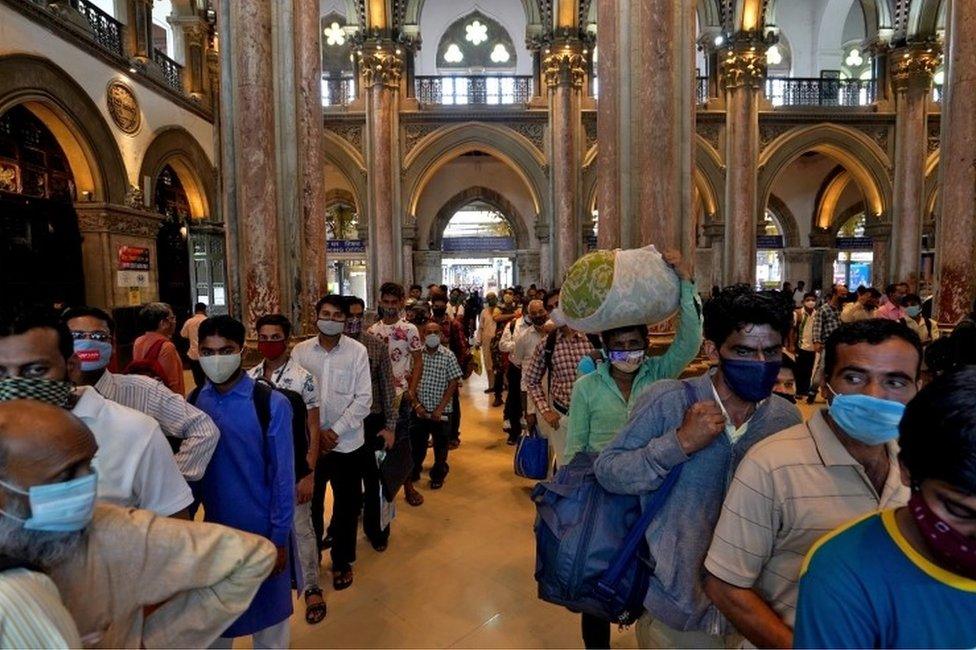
x: 804, y: 372
x: 308, y: 552
x: 277, y: 636
x: 513, y: 402
x: 652, y: 633
x: 344, y: 472
x: 420, y: 431
x: 596, y: 632
x: 371, y: 481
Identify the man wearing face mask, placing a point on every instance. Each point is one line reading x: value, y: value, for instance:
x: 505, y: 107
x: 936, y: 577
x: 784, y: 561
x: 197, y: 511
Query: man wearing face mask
x: 863, y: 308
x: 926, y: 328
x: 250, y: 483
x: 458, y: 344
x: 525, y: 346
x: 813, y: 477
x: 511, y: 334
x: 134, y: 462
x: 906, y: 578
x: 744, y: 334
x: 127, y: 577
x: 93, y: 332
x: 806, y: 353
x: 341, y: 366
x: 893, y: 309
x: 485, y: 335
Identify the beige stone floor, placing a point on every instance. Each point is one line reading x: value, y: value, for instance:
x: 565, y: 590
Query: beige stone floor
x: 459, y: 570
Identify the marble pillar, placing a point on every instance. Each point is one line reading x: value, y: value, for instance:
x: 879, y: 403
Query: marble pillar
x: 382, y: 70
x: 564, y: 67
x: 249, y: 125
x: 743, y: 75
x: 427, y: 267
x: 956, y: 221
x: 646, y: 123
x: 139, y: 29
x: 311, y: 161
x: 881, y: 268
x: 528, y: 268
x: 911, y: 70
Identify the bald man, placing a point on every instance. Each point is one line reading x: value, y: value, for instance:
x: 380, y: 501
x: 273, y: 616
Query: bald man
x: 128, y: 577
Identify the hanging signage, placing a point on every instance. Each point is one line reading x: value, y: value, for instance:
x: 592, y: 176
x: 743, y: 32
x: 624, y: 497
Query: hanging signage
x: 133, y: 258
x: 478, y: 244
x: 769, y: 242
x: 345, y: 246
x: 854, y: 243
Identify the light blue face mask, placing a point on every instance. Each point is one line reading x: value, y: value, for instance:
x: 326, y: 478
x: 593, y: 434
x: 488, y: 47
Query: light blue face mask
x: 868, y: 419
x: 65, y: 507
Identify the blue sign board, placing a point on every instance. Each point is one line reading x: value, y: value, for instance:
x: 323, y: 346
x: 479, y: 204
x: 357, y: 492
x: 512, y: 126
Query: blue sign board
x: 345, y: 246
x: 478, y: 244
x: 769, y: 242
x: 854, y: 243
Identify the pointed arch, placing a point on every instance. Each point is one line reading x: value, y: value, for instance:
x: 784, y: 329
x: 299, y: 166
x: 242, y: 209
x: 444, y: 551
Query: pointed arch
x: 923, y: 19
x: 73, y: 118
x: 415, y: 9
x: 174, y: 146
x: 350, y: 164
x: 485, y: 195
x: 710, y: 179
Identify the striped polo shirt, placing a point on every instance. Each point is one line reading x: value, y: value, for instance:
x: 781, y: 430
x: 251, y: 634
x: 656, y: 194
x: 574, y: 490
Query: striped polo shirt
x: 789, y: 491
x: 32, y: 614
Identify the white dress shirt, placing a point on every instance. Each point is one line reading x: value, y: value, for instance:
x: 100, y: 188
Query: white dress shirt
x: 510, y: 335
x: 134, y: 462
x: 344, y: 385
x: 175, y: 416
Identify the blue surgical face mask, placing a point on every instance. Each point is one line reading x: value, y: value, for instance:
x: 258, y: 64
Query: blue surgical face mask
x: 94, y: 355
x: 752, y: 381
x: 867, y: 419
x: 59, y: 507
x: 913, y: 311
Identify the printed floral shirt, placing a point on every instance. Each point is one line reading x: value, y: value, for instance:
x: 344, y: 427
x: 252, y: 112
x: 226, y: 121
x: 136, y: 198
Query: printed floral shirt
x: 403, y: 339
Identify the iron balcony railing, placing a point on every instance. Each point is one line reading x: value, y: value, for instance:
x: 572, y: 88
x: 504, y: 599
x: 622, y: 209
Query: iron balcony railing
x: 474, y: 90
x: 701, y: 90
x: 338, y: 91
x: 106, y: 31
x: 172, y: 71
x: 795, y: 91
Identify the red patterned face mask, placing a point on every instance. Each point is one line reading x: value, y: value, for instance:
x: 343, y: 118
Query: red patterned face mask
x: 272, y: 349
x: 951, y: 546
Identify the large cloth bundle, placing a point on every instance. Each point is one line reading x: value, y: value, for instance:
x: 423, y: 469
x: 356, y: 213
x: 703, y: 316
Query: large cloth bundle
x: 608, y: 289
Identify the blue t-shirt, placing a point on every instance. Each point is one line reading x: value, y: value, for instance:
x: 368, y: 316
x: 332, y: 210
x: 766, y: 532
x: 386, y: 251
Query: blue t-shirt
x: 864, y: 586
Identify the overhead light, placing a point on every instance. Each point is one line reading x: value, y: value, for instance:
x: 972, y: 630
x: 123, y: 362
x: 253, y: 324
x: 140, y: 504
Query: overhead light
x: 132, y: 70
x: 773, y: 55
x: 719, y: 40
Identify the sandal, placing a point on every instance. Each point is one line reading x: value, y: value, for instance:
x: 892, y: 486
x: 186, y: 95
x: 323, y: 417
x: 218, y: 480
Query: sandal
x: 413, y: 497
x: 342, y: 579
x: 314, y: 612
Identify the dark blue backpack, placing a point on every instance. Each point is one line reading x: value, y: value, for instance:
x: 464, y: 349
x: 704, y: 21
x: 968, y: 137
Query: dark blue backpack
x: 591, y: 554
x: 532, y: 456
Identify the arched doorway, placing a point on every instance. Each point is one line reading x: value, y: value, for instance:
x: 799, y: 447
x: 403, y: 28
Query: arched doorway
x: 478, y: 248
x: 769, y: 253
x: 345, y: 249
x: 172, y: 249
x: 855, y: 257
x: 40, y: 246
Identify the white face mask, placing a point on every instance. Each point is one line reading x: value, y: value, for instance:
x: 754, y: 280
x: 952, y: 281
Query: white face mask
x: 330, y: 327
x: 220, y: 367
x: 433, y: 341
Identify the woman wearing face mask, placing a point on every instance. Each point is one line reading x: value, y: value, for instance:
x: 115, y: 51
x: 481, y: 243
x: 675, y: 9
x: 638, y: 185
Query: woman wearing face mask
x: 906, y: 578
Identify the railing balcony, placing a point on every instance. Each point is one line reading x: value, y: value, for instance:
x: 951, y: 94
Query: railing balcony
x: 474, y: 90
x: 701, y: 90
x: 338, y: 91
x: 106, y: 30
x: 172, y: 71
x: 845, y: 93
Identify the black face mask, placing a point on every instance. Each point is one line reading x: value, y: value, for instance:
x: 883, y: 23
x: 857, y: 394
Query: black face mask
x: 439, y: 311
x: 790, y: 397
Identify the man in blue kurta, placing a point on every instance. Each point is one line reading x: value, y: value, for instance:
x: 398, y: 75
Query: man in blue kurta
x: 250, y: 482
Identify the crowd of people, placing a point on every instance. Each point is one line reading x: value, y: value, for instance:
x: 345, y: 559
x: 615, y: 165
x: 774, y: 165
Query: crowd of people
x: 136, y: 513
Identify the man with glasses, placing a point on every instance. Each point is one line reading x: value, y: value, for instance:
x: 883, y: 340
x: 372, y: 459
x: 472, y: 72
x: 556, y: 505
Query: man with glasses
x: 93, y: 332
x: 156, y: 345
x: 341, y: 366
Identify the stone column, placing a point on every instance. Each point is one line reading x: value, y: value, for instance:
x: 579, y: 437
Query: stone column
x: 427, y: 267
x: 248, y: 153
x: 743, y: 74
x: 911, y: 73
x: 646, y: 123
x: 382, y: 69
x: 880, y: 234
x: 195, y: 35
x: 565, y: 71
x: 139, y: 29
x: 310, y: 139
x: 956, y: 225
x: 527, y: 268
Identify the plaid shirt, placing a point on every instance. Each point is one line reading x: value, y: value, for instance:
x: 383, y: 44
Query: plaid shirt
x: 381, y: 374
x: 566, y: 356
x: 439, y: 370
x: 825, y: 322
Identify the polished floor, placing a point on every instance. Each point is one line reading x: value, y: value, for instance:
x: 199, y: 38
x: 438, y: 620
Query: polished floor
x: 458, y: 573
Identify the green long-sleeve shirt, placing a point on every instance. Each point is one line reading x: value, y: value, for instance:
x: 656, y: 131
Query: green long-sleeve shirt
x: 598, y: 410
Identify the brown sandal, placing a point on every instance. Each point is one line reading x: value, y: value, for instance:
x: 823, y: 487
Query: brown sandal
x: 315, y: 612
x: 413, y: 497
x: 342, y: 579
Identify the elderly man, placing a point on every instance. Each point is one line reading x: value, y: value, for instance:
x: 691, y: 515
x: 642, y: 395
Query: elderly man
x: 128, y: 578
x: 156, y: 345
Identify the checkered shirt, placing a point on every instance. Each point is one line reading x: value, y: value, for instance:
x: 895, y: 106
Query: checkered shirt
x: 440, y: 369
x: 825, y: 322
x: 566, y: 356
x: 381, y: 374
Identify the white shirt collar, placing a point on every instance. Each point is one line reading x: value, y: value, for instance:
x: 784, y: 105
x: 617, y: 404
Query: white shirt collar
x: 90, y: 403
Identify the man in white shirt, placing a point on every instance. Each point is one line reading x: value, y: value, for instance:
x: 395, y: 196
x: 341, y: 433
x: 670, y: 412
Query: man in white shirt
x: 190, y: 332
x: 525, y: 348
x: 134, y: 462
x: 93, y: 332
x: 401, y: 336
x: 511, y: 333
x: 341, y: 366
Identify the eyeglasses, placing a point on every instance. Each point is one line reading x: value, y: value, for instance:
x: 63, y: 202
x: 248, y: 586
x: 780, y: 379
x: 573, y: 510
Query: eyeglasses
x: 92, y: 336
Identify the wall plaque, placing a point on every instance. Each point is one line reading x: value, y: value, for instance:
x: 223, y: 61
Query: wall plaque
x: 123, y: 107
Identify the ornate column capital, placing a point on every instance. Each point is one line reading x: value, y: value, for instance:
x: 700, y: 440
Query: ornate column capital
x: 564, y: 63
x: 914, y: 65
x: 877, y: 230
x: 382, y: 64
x: 743, y: 61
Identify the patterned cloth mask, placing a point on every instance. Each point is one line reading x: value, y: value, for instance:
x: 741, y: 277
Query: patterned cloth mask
x: 43, y: 390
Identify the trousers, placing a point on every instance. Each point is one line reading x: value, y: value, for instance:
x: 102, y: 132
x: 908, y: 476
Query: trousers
x: 371, y: 482
x: 274, y: 637
x: 513, y: 401
x: 652, y: 633
x: 308, y: 551
x: 804, y: 372
x: 344, y: 472
x: 420, y: 432
x: 596, y: 632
